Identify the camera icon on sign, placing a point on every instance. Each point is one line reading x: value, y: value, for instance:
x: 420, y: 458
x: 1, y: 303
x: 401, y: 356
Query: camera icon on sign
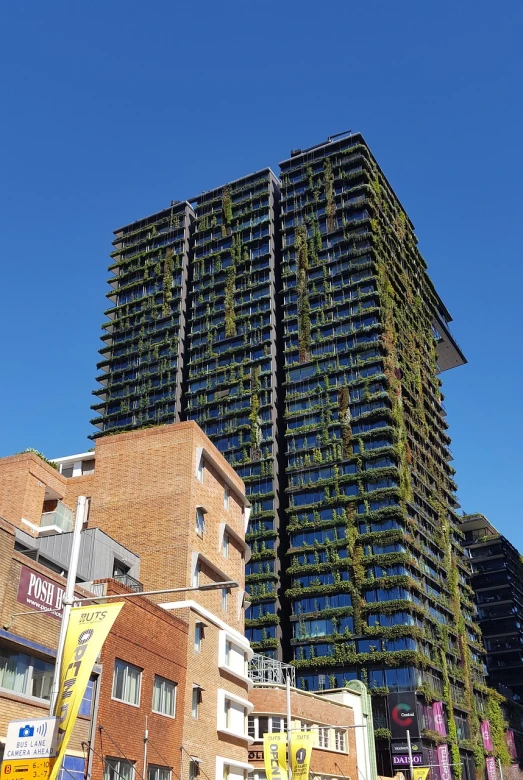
x: 26, y: 731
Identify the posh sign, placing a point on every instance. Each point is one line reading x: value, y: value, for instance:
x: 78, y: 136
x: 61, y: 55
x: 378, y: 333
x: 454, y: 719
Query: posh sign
x: 39, y: 592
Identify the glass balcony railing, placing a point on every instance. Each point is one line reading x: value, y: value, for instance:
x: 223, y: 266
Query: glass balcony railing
x: 61, y: 517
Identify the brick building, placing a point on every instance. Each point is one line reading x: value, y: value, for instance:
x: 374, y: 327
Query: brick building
x: 340, y: 720
x: 169, y: 496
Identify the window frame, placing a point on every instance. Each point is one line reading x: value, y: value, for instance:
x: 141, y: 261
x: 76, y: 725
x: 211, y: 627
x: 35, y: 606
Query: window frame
x: 159, y: 677
x: 127, y: 664
x: 157, y: 768
x: 117, y: 769
x: 200, y: 469
x: 196, y: 700
x: 29, y: 673
x: 199, y: 524
x: 226, y: 498
x: 226, y: 540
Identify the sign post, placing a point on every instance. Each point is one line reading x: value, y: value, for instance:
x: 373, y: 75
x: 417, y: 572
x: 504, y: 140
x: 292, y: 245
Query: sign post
x: 30, y: 749
x: 409, y: 747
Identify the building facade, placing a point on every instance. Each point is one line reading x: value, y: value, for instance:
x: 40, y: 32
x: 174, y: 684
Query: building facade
x: 497, y: 581
x: 361, y: 572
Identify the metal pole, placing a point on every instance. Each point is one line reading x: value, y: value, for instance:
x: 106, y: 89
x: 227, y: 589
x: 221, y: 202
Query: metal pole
x: 68, y: 599
x: 289, y: 724
x: 500, y: 769
x: 409, y: 746
x: 145, y: 740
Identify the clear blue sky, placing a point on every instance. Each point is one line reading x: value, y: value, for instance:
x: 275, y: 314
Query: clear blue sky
x: 111, y: 109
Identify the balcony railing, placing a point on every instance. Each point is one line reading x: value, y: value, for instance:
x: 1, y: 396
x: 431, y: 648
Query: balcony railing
x: 61, y: 517
x: 129, y: 581
x: 263, y: 670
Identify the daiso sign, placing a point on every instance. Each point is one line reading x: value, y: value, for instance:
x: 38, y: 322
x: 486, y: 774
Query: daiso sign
x: 39, y: 592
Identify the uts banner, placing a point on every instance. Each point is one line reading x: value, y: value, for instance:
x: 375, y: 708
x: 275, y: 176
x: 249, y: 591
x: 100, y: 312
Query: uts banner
x: 301, y: 750
x: 402, y: 715
x: 87, y: 631
x: 274, y: 756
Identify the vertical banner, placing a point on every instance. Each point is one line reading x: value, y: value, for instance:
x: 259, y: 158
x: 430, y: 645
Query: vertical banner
x: 439, y: 718
x: 492, y: 774
x: 486, y: 735
x: 511, y: 743
x: 444, y: 762
x: 87, y: 631
x: 275, y: 756
x: 301, y: 751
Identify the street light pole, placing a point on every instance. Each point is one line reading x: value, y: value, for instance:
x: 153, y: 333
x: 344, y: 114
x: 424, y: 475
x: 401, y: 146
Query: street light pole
x: 411, y: 765
x: 68, y: 598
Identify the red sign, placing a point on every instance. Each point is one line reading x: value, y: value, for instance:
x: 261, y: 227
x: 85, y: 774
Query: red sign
x: 39, y: 592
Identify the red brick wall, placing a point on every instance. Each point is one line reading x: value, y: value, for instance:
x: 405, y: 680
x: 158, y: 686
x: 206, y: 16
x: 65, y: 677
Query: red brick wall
x: 149, y: 637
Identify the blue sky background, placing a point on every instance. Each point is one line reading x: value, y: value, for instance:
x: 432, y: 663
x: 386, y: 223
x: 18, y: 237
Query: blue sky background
x: 112, y: 109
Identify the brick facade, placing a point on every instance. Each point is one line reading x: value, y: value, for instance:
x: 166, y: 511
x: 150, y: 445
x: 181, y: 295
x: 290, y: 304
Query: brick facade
x: 311, y: 709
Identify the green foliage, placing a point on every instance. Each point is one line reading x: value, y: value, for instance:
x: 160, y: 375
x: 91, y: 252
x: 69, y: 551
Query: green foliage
x: 302, y: 264
x: 40, y: 455
x: 226, y: 211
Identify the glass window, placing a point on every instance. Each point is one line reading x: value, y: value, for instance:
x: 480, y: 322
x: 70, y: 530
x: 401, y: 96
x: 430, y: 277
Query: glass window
x: 164, y: 696
x: 73, y: 768
x: 198, y: 633
x: 194, y: 768
x: 225, y: 593
x: 14, y: 670
x: 226, y: 497
x: 116, y: 769
x: 23, y: 673
x: 200, y: 521
x: 196, y: 700
x: 323, y: 737
x: 201, y: 466
x: 339, y: 740
x: 196, y: 576
x: 87, y: 700
x: 127, y: 682
x: 225, y: 545
x: 158, y: 772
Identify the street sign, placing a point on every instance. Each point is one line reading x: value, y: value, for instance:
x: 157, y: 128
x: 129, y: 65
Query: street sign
x: 417, y: 760
x: 401, y: 746
x: 39, y: 769
x: 33, y: 738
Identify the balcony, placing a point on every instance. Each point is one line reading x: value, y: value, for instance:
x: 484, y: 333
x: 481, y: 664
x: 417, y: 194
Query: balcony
x: 60, y: 520
x: 129, y: 582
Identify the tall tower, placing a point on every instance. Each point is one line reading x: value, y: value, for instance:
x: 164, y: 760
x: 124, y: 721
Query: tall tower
x: 143, y: 338
x: 315, y: 343
x: 232, y: 387
x: 378, y: 589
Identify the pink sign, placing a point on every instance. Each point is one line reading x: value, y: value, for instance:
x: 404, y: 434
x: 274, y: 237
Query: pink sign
x: 39, y: 592
x: 511, y: 743
x: 439, y: 718
x: 444, y: 762
x: 486, y: 735
x: 491, y: 768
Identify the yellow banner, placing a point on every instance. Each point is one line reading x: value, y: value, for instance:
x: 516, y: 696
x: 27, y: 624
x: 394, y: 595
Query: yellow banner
x: 301, y: 750
x: 275, y: 756
x: 87, y: 631
x: 421, y: 772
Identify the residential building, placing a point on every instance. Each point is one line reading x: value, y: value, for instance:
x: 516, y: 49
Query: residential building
x: 146, y: 650
x: 497, y: 581
x: 232, y: 381
x: 169, y: 495
x: 341, y: 722
x: 144, y: 337
x: 361, y: 573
